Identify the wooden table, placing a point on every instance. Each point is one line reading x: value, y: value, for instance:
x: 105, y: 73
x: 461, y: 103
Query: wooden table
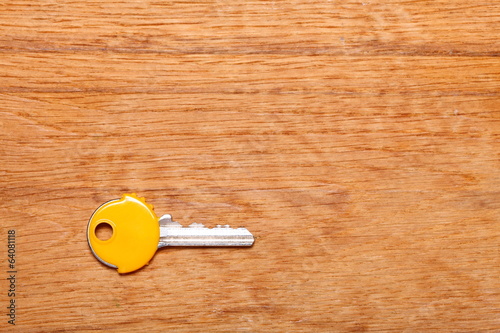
x: 358, y: 140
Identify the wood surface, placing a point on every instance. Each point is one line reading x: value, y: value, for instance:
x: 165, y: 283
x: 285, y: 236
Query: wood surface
x: 358, y: 140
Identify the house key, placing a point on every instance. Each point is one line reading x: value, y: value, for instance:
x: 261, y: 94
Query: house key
x: 138, y: 233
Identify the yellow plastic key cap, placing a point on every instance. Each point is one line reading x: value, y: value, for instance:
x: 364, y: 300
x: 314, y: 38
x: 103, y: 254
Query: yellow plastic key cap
x: 135, y: 237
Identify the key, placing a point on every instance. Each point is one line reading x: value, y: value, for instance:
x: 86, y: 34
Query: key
x: 137, y: 233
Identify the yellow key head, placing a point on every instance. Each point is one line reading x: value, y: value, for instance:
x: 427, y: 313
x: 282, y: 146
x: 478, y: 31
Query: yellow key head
x: 135, y: 237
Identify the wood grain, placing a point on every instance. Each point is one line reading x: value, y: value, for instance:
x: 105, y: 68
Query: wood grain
x: 358, y: 141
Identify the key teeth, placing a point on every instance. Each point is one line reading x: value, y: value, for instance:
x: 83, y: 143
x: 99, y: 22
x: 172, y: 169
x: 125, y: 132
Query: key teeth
x: 196, y: 225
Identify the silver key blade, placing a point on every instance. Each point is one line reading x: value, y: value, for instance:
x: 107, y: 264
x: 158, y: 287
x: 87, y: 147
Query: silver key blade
x: 174, y: 234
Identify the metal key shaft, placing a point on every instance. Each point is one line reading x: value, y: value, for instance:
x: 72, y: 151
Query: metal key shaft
x: 174, y: 234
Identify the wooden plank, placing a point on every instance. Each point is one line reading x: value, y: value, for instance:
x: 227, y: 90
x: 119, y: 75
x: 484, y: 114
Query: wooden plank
x: 358, y: 141
x: 250, y: 74
x: 235, y: 27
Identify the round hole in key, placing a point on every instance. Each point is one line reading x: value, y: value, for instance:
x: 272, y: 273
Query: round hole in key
x: 104, y: 231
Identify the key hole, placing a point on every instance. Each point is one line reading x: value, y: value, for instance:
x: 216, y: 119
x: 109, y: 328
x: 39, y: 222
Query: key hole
x: 104, y: 231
